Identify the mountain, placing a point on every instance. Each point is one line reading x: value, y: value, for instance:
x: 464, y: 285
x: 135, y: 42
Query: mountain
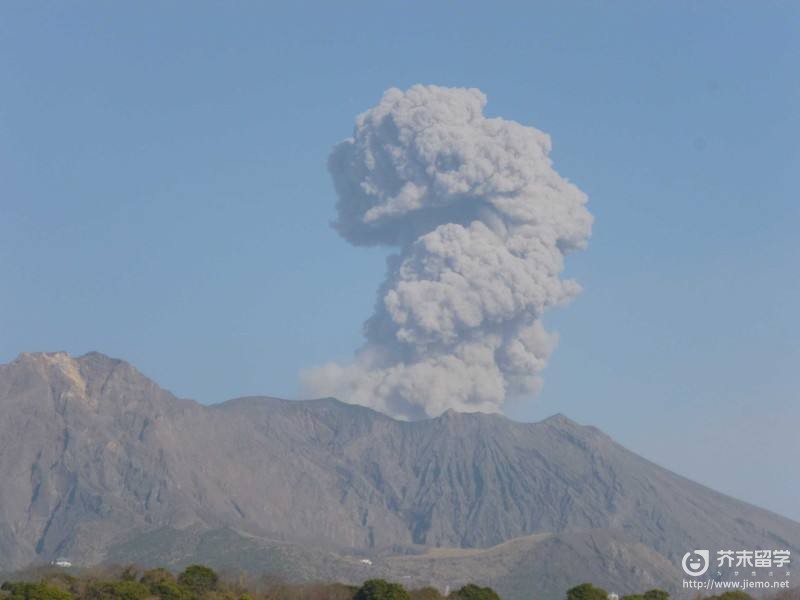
x: 99, y: 463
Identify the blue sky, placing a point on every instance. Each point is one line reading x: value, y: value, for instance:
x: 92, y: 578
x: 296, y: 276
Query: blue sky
x: 164, y: 198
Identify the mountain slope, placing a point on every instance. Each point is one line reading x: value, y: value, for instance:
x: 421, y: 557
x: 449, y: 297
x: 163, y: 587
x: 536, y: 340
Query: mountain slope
x: 93, y: 454
x: 547, y: 563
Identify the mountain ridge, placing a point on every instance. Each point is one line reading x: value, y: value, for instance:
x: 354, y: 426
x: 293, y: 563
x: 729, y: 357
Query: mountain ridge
x: 95, y: 454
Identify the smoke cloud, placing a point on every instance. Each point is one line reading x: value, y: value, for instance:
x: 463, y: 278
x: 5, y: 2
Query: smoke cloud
x: 482, y: 223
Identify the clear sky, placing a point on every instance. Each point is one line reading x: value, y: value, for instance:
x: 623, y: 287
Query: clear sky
x: 164, y: 199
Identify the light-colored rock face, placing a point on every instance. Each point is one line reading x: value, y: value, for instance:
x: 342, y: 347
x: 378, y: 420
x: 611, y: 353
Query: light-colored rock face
x: 58, y: 365
x: 92, y: 453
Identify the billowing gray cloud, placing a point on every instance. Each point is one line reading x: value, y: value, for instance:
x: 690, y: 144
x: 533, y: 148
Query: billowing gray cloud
x: 482, y: 222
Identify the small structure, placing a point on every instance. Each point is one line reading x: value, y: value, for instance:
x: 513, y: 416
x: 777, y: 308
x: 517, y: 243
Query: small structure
x: 613, y: 596
x: 62, y: 562
x: 366, y: 561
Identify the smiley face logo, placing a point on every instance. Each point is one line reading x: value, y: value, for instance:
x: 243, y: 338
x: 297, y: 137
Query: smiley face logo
x: 695, y: 563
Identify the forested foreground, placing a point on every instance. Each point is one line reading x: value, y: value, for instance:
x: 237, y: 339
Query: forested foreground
x: 587, y: 591
x: 199, y: 582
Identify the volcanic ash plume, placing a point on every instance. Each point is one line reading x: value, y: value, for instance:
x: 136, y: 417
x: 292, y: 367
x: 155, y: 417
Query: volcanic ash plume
x: 482, y: 222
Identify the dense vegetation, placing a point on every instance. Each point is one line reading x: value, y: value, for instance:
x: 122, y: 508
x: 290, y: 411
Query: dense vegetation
x: 198, y: 582
x: 587, y: 591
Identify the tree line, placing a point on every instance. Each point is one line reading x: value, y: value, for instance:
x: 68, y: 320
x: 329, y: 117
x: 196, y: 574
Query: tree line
x: 587, y: 591
x: 198, y: 582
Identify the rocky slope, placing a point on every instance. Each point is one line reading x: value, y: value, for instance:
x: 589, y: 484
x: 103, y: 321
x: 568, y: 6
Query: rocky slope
x: 93, y: 456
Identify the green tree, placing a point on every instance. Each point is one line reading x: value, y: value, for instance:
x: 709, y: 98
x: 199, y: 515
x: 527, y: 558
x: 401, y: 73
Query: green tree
x: 116, y: 590
x: 63, y: 581
x: 474, y: 592
x: 633, y: 597
x: 167, y: 590
x: 33, y: 591
x: 154, y: 576
x: 426, y: 593
x: 162, y: 584
x: 198, y: 579
x: 586, y: 591
x: 656, y: 595
x: 380, y: 589
x: 129, y: 573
